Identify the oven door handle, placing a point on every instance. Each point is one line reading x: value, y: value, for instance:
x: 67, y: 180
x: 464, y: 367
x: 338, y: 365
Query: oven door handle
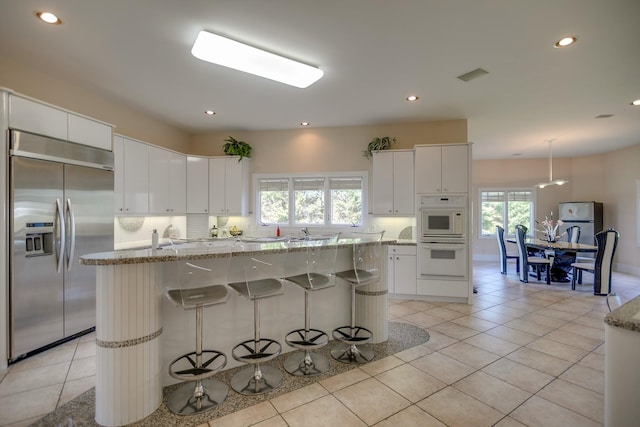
x: 444, y: 246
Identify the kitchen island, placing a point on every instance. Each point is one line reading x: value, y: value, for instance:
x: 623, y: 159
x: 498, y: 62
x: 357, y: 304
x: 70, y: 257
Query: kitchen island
x: 621, y: 374
x: 138, y: 332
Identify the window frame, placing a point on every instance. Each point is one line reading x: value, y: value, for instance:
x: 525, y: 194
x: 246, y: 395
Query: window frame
x: 327, y: 177
x: 505, y: 219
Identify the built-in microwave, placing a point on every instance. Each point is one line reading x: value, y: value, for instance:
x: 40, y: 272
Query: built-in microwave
x: 442, y: 216
x: 442, y: 222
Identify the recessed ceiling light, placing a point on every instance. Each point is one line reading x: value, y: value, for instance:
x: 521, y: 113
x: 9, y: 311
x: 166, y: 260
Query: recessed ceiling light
x: 210, y: 113
x: 566, y: 41
x: 412, y: 98
x: 49, y: 18
x: 230, y: 53
x: 636, y: 102
x: 304, y: 124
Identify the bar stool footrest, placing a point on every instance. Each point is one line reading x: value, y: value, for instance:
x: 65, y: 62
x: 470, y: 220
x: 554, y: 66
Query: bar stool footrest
x: 352, y: 336
x: 254, y: 352
x: 298, y: 339
x: 212, y: 362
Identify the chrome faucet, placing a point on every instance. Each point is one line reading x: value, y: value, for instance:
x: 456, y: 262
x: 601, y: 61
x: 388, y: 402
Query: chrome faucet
x: 305, y: 231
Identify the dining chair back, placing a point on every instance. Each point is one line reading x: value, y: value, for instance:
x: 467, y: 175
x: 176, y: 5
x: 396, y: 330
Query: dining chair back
x: 504, y: 256
x: 607, y: 241
x: 527, y: 261
x: 573, y: 234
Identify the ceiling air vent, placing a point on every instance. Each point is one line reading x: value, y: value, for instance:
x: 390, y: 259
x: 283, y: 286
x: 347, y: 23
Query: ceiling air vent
x: 604, y: 116
x: 478, y: 72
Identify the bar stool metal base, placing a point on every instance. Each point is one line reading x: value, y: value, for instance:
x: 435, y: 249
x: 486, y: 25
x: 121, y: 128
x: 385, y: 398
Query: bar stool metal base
x: 256, y: 379
x: 304, y: 363
x: 349, y: 353
x: 189, y: 400
x: 346, y: 351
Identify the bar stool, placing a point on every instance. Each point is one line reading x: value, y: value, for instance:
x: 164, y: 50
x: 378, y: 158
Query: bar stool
x: 199, y: 283
x: 366, y: 269
x: 320, y: 266
x: 257, y: 277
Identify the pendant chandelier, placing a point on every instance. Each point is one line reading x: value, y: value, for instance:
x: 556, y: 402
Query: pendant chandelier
x: 551, y: 180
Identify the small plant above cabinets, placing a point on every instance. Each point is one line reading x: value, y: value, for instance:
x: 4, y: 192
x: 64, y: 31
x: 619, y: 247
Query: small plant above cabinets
x: 393, y: 176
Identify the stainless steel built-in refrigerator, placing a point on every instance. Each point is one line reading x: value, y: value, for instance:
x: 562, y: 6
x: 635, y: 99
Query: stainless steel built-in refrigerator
x: 587, y: 215
x: 61, y: 207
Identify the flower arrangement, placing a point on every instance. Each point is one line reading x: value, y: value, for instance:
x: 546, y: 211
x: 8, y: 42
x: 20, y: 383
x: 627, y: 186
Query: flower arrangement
x: 550, y: 228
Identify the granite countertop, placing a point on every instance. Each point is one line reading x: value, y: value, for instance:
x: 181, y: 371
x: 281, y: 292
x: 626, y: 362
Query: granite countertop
x: 626, y: 316
x: 200, y: 249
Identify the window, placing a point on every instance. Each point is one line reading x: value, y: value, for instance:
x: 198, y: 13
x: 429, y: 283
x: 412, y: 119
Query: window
x: 332, y: 199
x: 507, y: 208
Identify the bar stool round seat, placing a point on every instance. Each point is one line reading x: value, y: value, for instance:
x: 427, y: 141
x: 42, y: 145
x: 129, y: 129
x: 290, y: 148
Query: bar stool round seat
x: 256, y: 279
x: 200, y: 365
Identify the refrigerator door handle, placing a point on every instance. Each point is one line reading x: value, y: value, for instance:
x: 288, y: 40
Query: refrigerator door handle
x: 60, y: 223
x: 72, y: 234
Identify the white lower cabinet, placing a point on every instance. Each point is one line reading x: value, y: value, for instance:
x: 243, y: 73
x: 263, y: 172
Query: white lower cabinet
x: 401, y: 269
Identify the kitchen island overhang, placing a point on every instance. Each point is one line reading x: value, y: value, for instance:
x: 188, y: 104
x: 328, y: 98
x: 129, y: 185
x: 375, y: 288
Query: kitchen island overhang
x: 139, y: 332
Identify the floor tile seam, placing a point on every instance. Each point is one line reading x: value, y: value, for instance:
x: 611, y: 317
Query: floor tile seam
x: 363, y: 421
x: 64, y: 383
x: 485, y: 403
x: 558, y: 404
x: 514, y: 385
x: 570, y: 345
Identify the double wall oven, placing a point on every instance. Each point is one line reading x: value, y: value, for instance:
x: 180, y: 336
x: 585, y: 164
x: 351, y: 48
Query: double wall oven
x: 442, y: 249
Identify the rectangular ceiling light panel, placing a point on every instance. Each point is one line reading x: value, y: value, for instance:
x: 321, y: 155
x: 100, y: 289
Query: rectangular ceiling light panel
x: 230, y: 53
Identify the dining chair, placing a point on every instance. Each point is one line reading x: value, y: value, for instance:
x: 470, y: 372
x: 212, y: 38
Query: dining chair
x: 526, y: 261
x: 504, y: 255
x: 607, y: 241
x: 573, y: 234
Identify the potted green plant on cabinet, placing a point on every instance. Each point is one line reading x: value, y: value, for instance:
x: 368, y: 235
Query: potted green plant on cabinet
x: 233, y: 147
x: 378, y: 144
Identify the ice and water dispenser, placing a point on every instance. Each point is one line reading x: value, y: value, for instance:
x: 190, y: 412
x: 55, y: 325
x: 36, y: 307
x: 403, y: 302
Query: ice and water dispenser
x: 39, y: 239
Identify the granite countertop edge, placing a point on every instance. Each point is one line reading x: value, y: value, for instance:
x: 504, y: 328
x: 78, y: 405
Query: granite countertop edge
x: 148, y: 255
x: 622, y: 317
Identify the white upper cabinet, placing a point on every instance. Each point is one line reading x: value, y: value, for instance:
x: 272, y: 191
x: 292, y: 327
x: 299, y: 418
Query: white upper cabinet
x: 442, y: 169
x: 131, y: 177
x: 32, y: 116
x: 197, y: 184
x: 167, y: 181
x: 228, y: 186
x: 89, y: 132
x: 393, y: 183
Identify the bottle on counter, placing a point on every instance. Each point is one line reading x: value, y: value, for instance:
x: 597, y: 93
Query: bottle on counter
x: 214, y: 231
x: 154, y: 239
x: 278, y: 231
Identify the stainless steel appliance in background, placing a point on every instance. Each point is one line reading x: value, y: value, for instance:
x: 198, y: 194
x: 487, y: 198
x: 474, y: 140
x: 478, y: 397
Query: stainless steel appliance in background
x: 587, y: 215
x: 60, y: 208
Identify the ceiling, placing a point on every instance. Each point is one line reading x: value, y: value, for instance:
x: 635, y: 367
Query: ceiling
x: 374, y: 53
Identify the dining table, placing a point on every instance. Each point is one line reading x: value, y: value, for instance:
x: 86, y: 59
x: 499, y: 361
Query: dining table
x: 564, y: 254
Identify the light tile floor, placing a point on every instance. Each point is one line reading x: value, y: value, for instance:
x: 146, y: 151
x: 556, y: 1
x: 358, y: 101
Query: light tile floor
x: 520, y: 355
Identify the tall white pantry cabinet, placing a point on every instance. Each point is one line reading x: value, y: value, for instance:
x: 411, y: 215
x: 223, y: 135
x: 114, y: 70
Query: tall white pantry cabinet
x: 399, y: 177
